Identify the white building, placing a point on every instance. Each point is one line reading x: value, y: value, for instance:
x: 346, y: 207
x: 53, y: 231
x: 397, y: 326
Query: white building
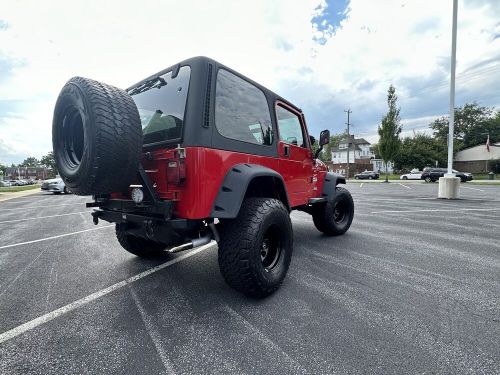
x: 379, y: 166
x: 358, y: 149
x: 476, y: 159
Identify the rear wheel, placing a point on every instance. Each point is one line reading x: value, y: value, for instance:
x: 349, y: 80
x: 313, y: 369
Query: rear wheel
x: 428, y: 179
x: 334, y: 218
x: 405, y: 178
x: 255, y: 249
x: 138, y: 246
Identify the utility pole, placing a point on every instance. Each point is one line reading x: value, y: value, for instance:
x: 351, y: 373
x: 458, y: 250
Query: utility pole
x: 348, y: 139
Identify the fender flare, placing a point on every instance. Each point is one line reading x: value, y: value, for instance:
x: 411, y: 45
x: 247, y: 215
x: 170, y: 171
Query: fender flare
x: 234, y: 187
x: 330, y: 184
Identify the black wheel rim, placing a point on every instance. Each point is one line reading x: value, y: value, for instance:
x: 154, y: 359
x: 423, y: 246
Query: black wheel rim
x: 271, y: 248
x: 340, y: 212
x: 72, y: 138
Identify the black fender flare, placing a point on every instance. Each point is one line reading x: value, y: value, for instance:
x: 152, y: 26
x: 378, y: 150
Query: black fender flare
x: 330, y: 184
x: 234, y: 187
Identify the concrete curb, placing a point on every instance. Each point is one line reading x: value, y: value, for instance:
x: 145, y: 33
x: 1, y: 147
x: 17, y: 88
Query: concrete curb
x: 17, y: 194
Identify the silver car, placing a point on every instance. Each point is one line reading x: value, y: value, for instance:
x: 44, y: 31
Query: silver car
x: 55, y: 185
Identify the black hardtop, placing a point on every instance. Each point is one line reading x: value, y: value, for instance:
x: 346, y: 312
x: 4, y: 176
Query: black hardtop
x: 199, y: 129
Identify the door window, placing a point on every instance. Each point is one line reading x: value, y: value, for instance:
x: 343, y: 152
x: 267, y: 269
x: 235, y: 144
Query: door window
x: 289, y: 127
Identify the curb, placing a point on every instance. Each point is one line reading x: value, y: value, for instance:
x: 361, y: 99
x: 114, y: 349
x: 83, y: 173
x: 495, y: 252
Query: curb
x: 17, y: 194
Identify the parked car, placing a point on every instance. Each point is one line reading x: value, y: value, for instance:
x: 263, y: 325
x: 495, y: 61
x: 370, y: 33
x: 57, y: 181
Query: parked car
x: 5, y: 183
x: 413, y: 175
x: 367, y: 175
x: 55, y: 185
x: 433, y: 174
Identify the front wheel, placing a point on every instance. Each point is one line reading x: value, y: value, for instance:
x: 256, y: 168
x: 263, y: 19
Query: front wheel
x: 428, y: 179
x: 255, y: 249
x: 334, y: 218
x: 405, y: 178
x: 138, y: 246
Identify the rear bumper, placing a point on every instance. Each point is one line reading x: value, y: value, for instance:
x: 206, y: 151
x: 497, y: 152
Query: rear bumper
x: 153, y: 222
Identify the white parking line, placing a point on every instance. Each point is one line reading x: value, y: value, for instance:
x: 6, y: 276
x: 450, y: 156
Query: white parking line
x: 465, y: 187
x: 361, y: 185
x: 28, y: 326
x: 54, y: 237
x: 33, y: 207
x: 404, y: 185
x: 437, y: 210
x: 42, y: 217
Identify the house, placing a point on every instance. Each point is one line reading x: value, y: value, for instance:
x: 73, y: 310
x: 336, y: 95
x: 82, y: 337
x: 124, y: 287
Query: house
x: 361, y: 157
x: 359, y: 149
x: 478, y: 159
x: 27, y: 173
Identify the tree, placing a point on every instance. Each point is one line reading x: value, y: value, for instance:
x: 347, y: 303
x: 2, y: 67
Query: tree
x: 471, y: 126
x: 420, y: 151
x: 49, y: 161
x: 30, y: 162
x: 389, y: 130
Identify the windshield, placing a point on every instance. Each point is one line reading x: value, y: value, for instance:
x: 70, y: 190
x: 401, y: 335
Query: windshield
x: 161, y: 102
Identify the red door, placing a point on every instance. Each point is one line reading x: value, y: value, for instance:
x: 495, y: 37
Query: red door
x: 295, y: 163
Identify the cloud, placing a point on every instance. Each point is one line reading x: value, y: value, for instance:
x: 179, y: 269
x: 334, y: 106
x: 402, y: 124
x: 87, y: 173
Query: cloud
x: 324, y: 56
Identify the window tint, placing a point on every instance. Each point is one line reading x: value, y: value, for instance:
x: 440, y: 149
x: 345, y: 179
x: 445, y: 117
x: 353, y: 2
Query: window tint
x: 161, y: 103
x: 241, y: 110
x: 289, y: 127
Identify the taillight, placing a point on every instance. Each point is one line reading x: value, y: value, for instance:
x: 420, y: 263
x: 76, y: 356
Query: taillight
x: 176, y: 170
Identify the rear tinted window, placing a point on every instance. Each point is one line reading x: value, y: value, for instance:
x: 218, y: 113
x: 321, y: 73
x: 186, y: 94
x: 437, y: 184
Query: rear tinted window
x: 161, y: 103
x: 241, y: 110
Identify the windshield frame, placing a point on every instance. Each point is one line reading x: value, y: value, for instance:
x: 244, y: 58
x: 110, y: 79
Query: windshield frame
x: 174, y: 69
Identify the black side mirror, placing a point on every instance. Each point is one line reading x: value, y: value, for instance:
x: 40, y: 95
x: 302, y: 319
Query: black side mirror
x: 324, y: 137
x: 312, y: 140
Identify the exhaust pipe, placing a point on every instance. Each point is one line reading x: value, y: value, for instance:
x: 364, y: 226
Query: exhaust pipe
x: 198, y: 241
x: 192, y: 244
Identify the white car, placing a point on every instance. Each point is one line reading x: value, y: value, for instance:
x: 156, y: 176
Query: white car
x: 413, y: 175
x: 55, y: 185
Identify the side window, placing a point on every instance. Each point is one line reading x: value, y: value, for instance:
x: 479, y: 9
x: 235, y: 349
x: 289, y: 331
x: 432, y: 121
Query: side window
x: 289, y: 127
x: 241, y: 110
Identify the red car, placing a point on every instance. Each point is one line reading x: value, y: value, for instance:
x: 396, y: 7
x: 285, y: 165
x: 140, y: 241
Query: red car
x: 193, y: 153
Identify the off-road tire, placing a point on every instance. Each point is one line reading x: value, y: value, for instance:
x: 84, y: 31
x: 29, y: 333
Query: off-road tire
x: 139, y: 246
x: 241, y: 247
x: 325, y: 218
x: 96, y: 136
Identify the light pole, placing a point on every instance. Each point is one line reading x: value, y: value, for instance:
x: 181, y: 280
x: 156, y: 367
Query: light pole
x: 449, y: 185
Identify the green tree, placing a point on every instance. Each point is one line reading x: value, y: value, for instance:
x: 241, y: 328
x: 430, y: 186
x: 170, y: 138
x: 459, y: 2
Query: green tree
x: 49, y: 161
x: 472, y: 124
x: 30, y: 162
x: 420, y: 151
x: 389, y: 130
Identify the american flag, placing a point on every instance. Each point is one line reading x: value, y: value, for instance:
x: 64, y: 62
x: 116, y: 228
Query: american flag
x: 488, y: 143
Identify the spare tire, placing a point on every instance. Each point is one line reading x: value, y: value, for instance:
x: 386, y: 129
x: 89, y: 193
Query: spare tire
x: 97, y: 137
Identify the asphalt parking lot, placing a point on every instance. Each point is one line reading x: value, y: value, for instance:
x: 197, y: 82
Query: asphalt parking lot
x: 413, y: 287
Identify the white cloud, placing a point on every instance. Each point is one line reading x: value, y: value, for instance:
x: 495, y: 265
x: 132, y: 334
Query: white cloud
x: 406, y: 43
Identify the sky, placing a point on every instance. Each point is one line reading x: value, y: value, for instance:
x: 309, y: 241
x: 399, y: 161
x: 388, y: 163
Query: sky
x: 324, y: 56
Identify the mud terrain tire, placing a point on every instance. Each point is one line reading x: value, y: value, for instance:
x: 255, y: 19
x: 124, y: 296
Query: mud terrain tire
x: 334, y: 218
x: 96, y: 136
x: 256, y: 248
x: 139, y: 246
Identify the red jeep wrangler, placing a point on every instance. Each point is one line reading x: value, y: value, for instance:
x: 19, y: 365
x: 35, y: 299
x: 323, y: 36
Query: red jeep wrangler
x: 194, y: 153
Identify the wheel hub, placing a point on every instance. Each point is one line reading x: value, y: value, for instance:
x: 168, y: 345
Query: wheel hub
x: 270, y: 250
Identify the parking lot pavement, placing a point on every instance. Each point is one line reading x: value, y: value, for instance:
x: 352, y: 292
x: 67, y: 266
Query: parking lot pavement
x: 413, y: 287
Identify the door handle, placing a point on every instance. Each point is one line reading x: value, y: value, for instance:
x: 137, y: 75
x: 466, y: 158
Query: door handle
x: 286, y: 151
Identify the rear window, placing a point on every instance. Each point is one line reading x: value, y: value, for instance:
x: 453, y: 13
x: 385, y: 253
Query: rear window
x: 161, y: 102
x: 241, y: 110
